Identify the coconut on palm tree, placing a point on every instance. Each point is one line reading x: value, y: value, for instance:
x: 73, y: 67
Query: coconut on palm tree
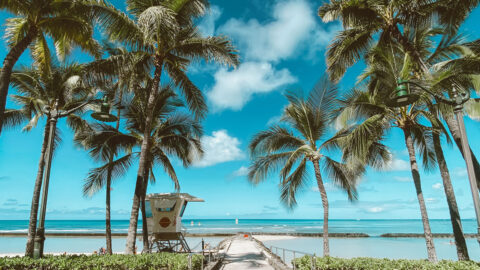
x: 301, y: 138
x: 60, y: 94
x: 66, y: 22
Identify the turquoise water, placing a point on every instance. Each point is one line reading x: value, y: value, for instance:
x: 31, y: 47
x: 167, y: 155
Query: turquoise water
x: 371, y: 227
x: 375, y: 246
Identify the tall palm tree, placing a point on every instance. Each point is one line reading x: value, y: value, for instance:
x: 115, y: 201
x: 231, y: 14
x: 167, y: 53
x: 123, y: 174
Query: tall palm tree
x: 60, y: 94
x: 302, y: 138
x: 66, y: 22
x: 369, y: 107
x: 393, y: 22
x: 164, y: 30
x: 173, y: 134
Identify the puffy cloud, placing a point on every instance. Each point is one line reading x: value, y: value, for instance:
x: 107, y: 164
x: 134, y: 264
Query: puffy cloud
x: 293, y: 30
x: 234, y: 88
x: 207, y: 25
x: 437, y: 186
x: 293, y: 26
x: 242, y: 171
x: 219, y: 147
x: 402, y: 178
x: 397, y: 164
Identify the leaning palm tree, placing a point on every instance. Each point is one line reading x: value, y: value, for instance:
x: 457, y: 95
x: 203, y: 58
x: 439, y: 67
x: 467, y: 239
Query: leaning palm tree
x: 369, y: 107
x: 66, y: 22
x: 164, y: 30
x: 300, y: 138
x: 174, y: 134
x: 60, y: 94
x: 393, y: 22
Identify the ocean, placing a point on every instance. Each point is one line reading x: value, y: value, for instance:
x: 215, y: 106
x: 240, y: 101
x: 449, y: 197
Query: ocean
x: 373, y: 246
x: 372, y: 227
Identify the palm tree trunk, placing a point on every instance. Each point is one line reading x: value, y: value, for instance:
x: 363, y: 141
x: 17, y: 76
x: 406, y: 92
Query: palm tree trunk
x: 32, y: 226
x: 462, y: 251
x: 8, y: 63
x: 432, y: 255
x: 108, y: 227
x: 146, y: 248
x: 132, y: 229
x: 323, y: 194
x: 108, y: 224
x: 455, y: 131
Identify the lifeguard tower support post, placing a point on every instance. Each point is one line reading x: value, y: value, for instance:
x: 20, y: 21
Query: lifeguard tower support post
x: 164, y: 213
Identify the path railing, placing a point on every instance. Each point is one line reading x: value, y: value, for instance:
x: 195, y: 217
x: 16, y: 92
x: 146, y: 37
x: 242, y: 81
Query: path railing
x: 284, y: 255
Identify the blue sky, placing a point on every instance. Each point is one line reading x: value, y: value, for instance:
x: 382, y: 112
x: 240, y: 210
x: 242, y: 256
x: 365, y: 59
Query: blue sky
x: 282, y: 45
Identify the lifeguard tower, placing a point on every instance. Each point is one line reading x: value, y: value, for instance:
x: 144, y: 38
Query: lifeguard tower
x: 164, y: 213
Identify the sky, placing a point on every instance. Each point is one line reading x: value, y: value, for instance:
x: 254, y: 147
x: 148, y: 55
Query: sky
x: 282, y: 46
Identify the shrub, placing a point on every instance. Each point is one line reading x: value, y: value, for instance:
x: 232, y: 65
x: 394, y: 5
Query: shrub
x: 330, y: 263
x: 164, y: 261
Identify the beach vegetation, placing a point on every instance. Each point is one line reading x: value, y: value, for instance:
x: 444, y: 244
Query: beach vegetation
x: 330, y: 263
x: 166, y: 261
x: 302, y: 137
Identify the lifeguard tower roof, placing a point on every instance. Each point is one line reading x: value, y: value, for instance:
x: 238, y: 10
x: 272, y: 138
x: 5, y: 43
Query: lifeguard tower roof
x: 187, y: 197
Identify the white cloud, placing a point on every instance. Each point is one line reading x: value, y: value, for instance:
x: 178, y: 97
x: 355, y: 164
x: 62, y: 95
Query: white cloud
x: 242, y: 171
x: 293, y: 30
x: 293, y: 26
x: 460, y: 172
x: 397, y: 164
x: 234, y: 88
x: 375, y: 209
x: 207, y: 25
x: 219, y: 148
x: 402, y: 178
x: 437, y: 186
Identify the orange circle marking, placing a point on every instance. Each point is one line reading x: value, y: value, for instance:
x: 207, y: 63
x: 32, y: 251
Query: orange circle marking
x: 164, y: 222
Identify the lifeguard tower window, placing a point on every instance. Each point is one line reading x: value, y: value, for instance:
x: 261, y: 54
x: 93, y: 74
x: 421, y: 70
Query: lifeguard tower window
x: 183, y: 208
x: 148, y: 209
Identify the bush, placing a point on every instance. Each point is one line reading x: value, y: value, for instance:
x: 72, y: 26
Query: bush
x: 330, y: 263
x: 164, y: 261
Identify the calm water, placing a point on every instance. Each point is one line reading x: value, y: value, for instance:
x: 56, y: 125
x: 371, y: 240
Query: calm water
x: 411, y: 248
x: 371, y: 227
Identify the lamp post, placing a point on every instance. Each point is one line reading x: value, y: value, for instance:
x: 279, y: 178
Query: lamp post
x: 403, y: 97
x: 55, y: 114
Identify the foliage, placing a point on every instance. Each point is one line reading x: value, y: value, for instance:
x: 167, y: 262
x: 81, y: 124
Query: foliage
x: 80, y: 262
x: 329, y: 263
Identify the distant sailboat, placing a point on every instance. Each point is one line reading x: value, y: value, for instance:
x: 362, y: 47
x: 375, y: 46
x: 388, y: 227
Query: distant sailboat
x: 236, y: 221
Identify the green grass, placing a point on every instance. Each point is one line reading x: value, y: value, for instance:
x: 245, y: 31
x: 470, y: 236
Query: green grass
x: 158, y: 261
x: 330, y: 263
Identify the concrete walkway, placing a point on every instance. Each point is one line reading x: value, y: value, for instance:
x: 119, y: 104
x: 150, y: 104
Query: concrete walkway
x: 245, y: 254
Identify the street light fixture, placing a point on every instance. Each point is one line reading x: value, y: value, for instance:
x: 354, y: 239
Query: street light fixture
x: 104, y: 113
x: 403, y: 98
x: 104, y: 116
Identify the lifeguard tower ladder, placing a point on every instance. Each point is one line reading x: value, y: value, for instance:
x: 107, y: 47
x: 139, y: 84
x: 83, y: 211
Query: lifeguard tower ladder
x: 164, y: 213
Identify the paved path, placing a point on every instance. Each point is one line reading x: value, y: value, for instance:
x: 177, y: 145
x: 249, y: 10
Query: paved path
x: 243, y: 255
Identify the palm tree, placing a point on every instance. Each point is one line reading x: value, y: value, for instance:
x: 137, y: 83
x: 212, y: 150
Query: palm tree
x: 58, y: 95
x: 173, y: 134
x: 369, y: 108
x: 299, y: 139
x: 164, y: 31
x: 32, y: 22
x: 393, y: 22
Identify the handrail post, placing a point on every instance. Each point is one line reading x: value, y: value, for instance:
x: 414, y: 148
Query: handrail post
x: 283, y: 254
x: 293, y: 262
